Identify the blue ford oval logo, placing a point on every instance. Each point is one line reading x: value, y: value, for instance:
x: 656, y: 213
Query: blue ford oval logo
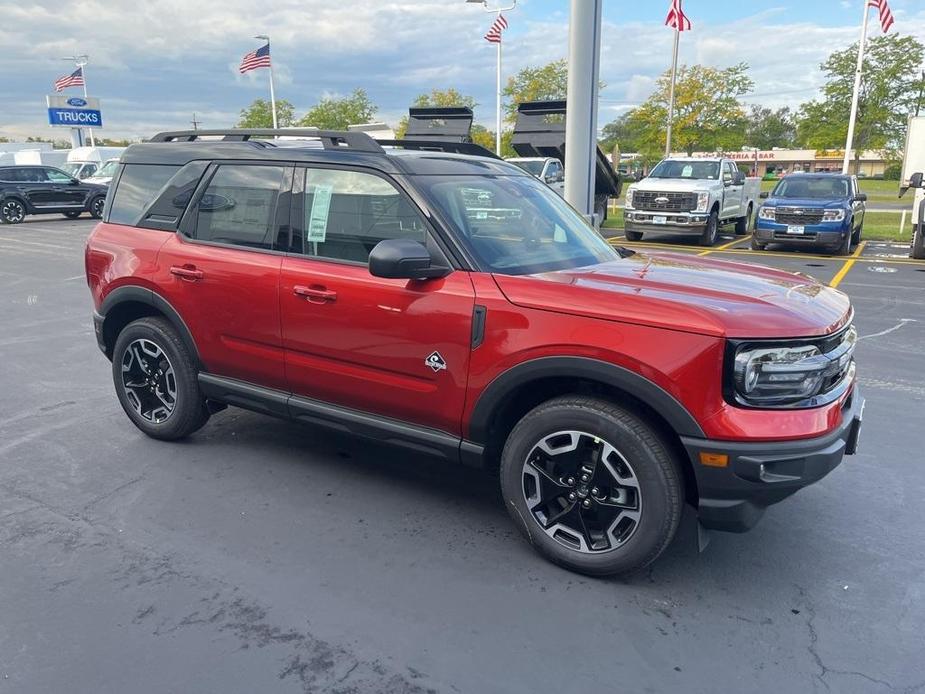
x: 77, y: 102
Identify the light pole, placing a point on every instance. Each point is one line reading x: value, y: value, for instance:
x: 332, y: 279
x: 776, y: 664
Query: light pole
x: 498, y: 11
x: 753, y: 150
x: 272, y: 91
x: 81, y: 62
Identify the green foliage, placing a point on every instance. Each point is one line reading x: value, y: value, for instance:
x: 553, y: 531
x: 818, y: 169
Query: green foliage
x: 889, y: 88
x: 766, y: 128
x: 336, y: 113
x: 708, y: 115
x: 623, y: 132
x: 535, y: 84
x: 259, y: 115
x: 893, y: 172
x: 437, y: 97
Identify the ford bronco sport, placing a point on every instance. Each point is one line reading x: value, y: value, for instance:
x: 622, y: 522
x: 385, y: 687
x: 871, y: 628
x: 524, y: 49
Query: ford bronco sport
x: 454, y: 305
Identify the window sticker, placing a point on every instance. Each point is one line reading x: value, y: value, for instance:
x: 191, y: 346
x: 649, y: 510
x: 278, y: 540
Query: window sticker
x: 318, y: 218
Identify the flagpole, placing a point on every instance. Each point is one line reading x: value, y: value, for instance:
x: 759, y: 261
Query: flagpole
x: 498, y: 100
x: 674, y: 72
x: 83, y: 73
x: 272, y: 90
x: 857, y: 90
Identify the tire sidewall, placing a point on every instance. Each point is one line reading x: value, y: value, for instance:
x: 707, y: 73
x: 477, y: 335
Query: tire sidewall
x: 14, y: 201
x: 189, y: 401
x: 658, y: 518
x: 712, y: 230
x: 92, y: 207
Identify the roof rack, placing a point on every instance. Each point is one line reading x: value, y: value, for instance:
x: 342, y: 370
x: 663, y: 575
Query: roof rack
x: 331, y: 139
x: 443, y: 123
x: 441, y: 146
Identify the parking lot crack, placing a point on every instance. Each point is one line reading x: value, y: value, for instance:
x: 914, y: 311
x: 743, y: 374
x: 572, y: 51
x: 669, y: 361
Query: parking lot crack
x: 90, y: 504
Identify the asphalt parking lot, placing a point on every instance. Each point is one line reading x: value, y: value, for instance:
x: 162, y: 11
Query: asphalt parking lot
x: 262, y: 556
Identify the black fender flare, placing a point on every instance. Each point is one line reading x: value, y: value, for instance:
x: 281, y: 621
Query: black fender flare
x: 134, y: 293
x: 662, y: 402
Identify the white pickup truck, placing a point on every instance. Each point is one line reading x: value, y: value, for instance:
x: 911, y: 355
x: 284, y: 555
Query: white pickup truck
x: 691, y: 196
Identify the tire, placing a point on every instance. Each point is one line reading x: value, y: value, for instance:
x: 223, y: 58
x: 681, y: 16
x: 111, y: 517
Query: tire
x: 96, y: 207
x: 165, y: 402
x: 756, y: 246
x: 628, y: 509
x: 918, y: 242
x: 845, y: 247
x: 12, y: 211
x: 708, y: 238
x: 72, y: 215
x: 633, y: 235
x: 742, y: 222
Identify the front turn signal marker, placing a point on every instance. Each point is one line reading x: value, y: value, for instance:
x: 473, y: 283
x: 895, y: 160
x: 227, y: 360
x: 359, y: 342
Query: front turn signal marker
x: 714, y: 459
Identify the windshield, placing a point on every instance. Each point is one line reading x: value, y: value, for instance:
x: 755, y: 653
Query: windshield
x: 108, y: 169
x: 534, y: 168
x: 72, y: 168
x: 800, y: 187
x: 515, y: 225
x: 699, y: 170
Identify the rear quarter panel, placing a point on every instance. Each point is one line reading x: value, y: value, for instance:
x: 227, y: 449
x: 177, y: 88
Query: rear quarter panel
x: 118, y: 256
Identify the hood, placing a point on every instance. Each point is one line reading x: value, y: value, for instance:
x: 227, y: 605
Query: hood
x: 821, y: 203
x: 682, y: 185
x: 681, y: 292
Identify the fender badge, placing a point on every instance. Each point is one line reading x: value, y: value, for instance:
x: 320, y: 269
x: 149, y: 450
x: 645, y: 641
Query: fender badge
x: 435, y: 361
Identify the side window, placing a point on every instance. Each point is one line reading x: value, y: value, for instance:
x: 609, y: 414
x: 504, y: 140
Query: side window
x: 138, y: 186
x: 88, y: 170
x: 8, y: 175
x: 555, y: 170
x: 346, y: 213
x: 239, y: 206
x: 727, y: 171
x: 56, y: 176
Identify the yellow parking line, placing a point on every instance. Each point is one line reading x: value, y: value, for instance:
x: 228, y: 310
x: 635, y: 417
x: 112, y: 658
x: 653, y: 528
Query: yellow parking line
x: 725, y: 245
x: 840, y: 275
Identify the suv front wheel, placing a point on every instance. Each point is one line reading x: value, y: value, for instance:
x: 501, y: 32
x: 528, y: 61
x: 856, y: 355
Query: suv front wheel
x: 156, y: 380
x: 591, y: 486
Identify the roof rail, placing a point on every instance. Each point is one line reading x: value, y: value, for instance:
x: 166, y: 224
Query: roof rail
x: 331, y: 139
x: 445, y: 146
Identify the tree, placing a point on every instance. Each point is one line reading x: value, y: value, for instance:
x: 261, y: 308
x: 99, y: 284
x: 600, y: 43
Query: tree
x: 336, y: 113
x: 623, y: 132
x: 259, y: 115
x: 766, y: 128
x: 889, y: 88
x: 437, y: 98
x: 708, y: 115
x: 535, y: 84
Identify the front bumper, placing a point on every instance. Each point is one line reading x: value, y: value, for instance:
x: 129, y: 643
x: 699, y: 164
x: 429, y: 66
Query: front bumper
x: 675, y: 223
x: 734, y: 497
x: 818, y: 235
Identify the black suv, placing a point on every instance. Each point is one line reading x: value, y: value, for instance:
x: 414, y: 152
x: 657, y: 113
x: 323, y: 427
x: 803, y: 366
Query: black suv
x: 43, y: 190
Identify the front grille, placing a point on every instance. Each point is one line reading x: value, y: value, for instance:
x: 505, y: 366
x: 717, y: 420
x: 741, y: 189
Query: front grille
x: 798, y: 215
x: 664, y: 202
x: 839, y: 348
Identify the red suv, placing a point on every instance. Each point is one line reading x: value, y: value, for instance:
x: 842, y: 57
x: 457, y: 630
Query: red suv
x: 454, y: 305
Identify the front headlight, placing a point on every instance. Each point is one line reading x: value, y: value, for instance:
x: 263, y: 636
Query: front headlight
x: 629, y: 197
x: 766, y: 213
x: 780, y: 375
x: 833, y: 215
x: 703, y: 201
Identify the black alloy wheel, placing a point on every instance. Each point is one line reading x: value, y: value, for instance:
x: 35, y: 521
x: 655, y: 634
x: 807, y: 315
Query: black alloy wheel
x: 148, y: 380
x: 12, y: 212
x: 96, y: 207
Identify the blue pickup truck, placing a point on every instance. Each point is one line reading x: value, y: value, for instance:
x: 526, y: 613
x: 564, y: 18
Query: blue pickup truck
x: 823, y: 211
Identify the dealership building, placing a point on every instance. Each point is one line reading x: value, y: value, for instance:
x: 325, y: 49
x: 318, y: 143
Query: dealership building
x: 784, y: 161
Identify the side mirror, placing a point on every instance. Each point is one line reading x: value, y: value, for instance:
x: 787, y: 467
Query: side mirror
x: 738, y: 178
x: 637, y: 176
x: 727, y: 182
x: 73, y: 182
x: 860, y: 197
x: 550, y: 178
x: 403, y: 259
x: 764, y: 195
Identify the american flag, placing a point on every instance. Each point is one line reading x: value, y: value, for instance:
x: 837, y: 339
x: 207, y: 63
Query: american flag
x: 494, y: 34
x: 676, y: 19
x: 255, y: 59
x: 75, y: 79
x: 886, y: 17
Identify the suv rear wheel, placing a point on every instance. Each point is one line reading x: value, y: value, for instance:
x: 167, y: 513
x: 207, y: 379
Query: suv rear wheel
x: 12, y: 211
x: 156, y: 380
x: 96, y: 207
x: 591, y: 486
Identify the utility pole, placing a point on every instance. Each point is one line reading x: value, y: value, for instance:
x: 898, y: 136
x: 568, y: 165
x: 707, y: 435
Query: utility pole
x: 195, y: 122
x: 918, y: 102
x: 584, y: 61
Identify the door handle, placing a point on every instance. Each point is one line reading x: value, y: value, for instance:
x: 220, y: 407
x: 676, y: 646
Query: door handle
x: 316, y: 293
x: 186, y: 272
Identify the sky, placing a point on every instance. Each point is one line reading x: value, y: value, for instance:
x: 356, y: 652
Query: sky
x: 155, y: 63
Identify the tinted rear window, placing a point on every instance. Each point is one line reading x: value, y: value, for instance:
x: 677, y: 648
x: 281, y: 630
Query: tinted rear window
x: 138, y: 186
